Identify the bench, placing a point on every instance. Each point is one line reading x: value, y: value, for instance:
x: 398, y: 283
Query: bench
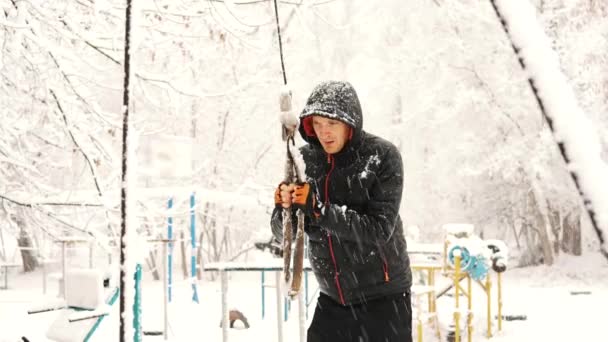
x: 4, y: 266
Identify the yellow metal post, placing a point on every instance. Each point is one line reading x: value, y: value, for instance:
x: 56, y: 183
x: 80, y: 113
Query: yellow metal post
x: 499, y: 302
x: 470, y: 314
x: 445, y: 257
x: 457, y: 295
x: 489, y: 296
x: 429, y: 282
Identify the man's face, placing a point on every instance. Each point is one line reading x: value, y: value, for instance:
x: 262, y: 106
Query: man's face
x: 333, y: 134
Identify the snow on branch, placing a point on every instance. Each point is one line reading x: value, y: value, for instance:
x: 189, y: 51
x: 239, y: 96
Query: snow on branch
x: 577, y: 138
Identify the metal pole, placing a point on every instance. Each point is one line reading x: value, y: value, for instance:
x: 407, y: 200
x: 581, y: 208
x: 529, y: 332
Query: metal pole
x: 470, y: 307
x: 224, y: 277
x: 91, y: 255
x: 138, y: 332
x: 170, y: 237
x: 302, y: 316
x: 306, y: 291
x: 263, y: 296
x: 193, y: 244
x: 44, y: 276
x: 457, y: 298
x: 279, y: 306
x: 165, y: 294
x: 63, y: 270
x: 489, y: 295
x: 499, y: 302
x: 287, y: 308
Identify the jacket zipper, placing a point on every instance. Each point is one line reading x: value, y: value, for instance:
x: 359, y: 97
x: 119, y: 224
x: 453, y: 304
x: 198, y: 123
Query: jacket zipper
x: 330, y: 160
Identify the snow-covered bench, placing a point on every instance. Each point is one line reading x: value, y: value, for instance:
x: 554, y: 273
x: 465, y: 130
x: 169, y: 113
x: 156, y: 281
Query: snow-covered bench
x: 86, y: 303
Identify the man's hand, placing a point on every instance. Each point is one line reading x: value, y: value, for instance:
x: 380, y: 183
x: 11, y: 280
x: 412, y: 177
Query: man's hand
x: 283, y: 195
x: 304, y: 198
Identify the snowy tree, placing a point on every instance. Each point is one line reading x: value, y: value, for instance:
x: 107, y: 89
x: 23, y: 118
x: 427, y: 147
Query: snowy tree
x: 438, y: 78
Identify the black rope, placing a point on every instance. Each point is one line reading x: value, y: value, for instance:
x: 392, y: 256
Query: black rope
x: 276, y: 14
x: 124, y: 179
x: 561, y: 145
x: 289, y: 138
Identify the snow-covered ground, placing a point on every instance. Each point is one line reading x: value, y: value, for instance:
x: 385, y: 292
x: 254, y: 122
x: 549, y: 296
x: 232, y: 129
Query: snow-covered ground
x: 542, y: 294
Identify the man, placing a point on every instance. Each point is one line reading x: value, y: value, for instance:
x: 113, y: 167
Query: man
x: 351, y: 199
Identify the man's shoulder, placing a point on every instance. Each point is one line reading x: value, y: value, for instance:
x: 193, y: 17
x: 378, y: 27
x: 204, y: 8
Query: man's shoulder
x: 308, y: 151
x: 379, y: 145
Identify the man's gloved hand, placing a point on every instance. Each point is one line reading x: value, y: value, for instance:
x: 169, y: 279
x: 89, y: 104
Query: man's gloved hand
x: 304, y: 198
x: 283, y: 195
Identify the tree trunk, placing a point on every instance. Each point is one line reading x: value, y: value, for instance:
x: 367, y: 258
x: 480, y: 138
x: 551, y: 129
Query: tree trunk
x: 571, y: 241
x: 543, y: 226
x: 30, y: 261
x: 539, y: 248
x: 556, y: 228
x: 2, y: 247
x: 543, y: 234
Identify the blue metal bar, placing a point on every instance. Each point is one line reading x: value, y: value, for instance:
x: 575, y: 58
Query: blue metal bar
x: 137, y: 334
x: 193, y: 244
x: 170, y: 256
x: 287, y: 307
x: 112, y: 300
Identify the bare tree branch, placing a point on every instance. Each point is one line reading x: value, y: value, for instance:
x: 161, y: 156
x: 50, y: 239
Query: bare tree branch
x: 59, y: 204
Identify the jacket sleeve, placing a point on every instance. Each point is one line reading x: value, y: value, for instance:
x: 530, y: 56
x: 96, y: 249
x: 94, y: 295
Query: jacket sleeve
x: 276, y: 223
x: 377, y: 222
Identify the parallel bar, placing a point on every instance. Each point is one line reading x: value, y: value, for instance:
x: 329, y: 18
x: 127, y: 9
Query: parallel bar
x: 489, y: 296
x: 263, y: 295
x: 499, y: 302
x: 63, y: 269
x: 470, y: 307
x: 279, y: 306
x: 170, y: 257
x: 165, y: 294
x: 193, y: 244
x: 224, y: 276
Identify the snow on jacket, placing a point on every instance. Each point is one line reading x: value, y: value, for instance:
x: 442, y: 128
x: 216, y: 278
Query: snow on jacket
x: 357, y: 248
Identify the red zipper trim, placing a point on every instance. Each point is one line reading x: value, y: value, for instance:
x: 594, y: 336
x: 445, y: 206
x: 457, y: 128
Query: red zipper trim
x: 330, y: 159
x: 337, y: 276
x: 385, y: 269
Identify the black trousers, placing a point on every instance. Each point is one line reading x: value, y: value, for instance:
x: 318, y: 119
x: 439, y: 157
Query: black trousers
x: 387, y: 319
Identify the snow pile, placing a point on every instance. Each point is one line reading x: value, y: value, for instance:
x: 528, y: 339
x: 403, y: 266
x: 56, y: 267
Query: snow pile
x: 287, y: 116
x: 458, y: 229
x: 84, y: 289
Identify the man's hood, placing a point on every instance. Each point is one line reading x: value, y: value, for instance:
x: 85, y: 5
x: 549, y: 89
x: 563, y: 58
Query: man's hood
x: 334, y: 100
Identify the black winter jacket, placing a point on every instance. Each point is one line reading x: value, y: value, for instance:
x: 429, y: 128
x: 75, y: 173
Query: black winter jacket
x: 357, y: 247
